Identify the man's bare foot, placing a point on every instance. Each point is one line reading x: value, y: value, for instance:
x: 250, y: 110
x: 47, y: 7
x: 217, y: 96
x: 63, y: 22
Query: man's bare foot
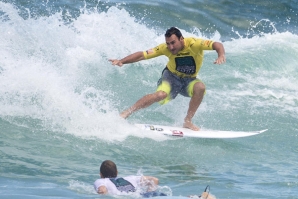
x: 190, y: 125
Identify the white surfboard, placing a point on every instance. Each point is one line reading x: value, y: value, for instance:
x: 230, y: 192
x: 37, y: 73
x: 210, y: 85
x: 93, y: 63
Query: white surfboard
x: 202, y: 133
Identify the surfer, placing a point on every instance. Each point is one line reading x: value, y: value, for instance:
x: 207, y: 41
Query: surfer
x: 179, y: 76
x: 110, y: 184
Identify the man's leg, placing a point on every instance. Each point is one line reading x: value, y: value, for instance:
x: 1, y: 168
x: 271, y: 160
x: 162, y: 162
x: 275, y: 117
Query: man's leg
x: 195, y: 101
x: 144, y: 102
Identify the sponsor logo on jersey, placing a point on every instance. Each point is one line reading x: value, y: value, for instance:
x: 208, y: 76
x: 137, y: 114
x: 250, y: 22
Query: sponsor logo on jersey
x: 206, y: 43
x: 183, y: 54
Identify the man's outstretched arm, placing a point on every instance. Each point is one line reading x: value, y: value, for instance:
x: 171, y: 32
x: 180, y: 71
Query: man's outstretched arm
x: 135, y: 57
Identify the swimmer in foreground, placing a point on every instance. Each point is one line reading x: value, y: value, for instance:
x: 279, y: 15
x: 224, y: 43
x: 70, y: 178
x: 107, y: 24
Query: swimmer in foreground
x: 110, y: 183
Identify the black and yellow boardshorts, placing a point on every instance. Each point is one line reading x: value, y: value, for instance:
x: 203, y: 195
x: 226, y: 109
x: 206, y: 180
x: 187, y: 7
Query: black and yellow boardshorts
x: 174, y: 85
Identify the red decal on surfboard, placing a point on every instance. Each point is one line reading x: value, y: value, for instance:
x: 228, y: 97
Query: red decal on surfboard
x: 177, y: 133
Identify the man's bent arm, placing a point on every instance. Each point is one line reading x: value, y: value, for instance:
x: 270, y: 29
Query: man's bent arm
x: 102, y: 190
x: 220, y: 51
x: 150, y: 182
x: 150, y: 179
x: 135, y: 57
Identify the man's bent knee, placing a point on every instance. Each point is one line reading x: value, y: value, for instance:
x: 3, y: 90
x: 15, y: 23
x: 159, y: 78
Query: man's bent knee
x: 199, y: 87
x: 161, y: 95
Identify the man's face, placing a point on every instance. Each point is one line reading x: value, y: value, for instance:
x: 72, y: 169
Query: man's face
x: 174, y: 44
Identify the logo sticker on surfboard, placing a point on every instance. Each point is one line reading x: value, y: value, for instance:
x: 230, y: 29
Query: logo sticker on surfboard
x: 152, y: 128
x: 177, y: 133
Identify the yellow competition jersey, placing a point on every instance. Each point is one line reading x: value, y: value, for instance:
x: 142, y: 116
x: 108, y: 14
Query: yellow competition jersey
x: 188, y: 61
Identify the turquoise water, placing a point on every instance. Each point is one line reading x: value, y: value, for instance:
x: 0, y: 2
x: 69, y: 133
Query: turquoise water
x: 60, y: 97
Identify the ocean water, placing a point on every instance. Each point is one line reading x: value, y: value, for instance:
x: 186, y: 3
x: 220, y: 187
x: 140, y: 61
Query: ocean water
x: 60, y: 97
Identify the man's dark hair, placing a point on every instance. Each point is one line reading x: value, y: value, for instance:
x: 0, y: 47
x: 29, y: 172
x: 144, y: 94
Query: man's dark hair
x: 108, y: 169
x: 173, y: 31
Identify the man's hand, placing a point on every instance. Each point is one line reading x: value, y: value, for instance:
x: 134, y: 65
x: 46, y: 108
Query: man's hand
x: 116, y: 62
x: 220, y: 60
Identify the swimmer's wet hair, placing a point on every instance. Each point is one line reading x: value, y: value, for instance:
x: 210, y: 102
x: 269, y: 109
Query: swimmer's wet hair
x: 108, y: 169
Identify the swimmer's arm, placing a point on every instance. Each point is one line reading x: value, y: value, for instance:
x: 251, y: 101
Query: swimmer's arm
x: 150, y: 179
x: 102, y: 190
x: 150, y: 182
x: 220, y: 51
x: 135, y: 57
